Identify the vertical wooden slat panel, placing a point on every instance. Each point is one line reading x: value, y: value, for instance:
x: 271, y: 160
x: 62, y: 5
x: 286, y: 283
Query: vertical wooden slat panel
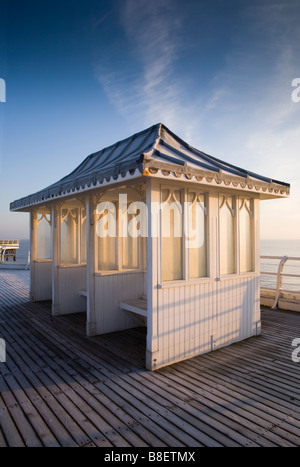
x: 175, y: 320
x: 71, y: 281
x: 188, y: 341
x: 191, y: 313
x: 111, y: 289
x: 183, y: 318
x: 172, y: 323
x: 43, y: 280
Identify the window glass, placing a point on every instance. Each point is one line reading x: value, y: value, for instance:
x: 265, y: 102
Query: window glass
x: 130, y: 244
x: 171, y: 220
x: 107, y: 238
x: 226, y: 232
x: 83, y: 237
x: 197, y: 244
x: 69, y: 235
x: 44, y: 236
x: 246, y: 234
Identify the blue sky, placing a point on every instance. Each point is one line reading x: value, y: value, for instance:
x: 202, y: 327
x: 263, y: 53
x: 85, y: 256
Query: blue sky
x: 82, y: 75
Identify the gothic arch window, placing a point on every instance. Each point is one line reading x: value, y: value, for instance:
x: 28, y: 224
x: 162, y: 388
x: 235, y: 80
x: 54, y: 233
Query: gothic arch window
x: 43, y: 236
x: 246, y: 215
x: 197, y: 234
x: 171, y: 241
x: 227, y: 214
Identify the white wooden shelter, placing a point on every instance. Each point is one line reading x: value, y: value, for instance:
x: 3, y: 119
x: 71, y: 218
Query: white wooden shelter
x: 193, y: 297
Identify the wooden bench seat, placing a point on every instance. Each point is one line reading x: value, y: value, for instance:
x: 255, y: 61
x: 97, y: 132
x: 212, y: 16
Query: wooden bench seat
x: 138, y: 306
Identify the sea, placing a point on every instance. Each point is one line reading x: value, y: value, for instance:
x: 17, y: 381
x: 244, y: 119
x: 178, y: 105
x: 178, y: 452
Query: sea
x: 281, y: 248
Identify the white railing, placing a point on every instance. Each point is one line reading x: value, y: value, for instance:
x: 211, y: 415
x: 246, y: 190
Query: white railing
x: 11, y: 243
x: 28, y: 261
x: 280, y: 280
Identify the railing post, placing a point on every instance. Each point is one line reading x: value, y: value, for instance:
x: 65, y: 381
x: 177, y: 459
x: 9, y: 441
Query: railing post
x: 279, y: 281
x: 28, y: 260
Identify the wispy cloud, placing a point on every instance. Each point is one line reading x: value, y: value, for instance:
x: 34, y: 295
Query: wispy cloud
x: 153, y: 35
x: 152, y: 90
x: 275, y: 122
x: 264, y: 129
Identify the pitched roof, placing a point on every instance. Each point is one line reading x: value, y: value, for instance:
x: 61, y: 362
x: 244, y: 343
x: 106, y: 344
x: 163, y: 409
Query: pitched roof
x: 153, y: 149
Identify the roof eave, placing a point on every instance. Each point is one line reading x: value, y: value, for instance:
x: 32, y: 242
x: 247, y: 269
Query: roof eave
x: 265, y: 190
x: 40, y: 199
x: 153, y: 168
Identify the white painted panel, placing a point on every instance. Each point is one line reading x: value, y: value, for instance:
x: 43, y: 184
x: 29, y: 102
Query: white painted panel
x: 70, y: 281
x: 42, y: 280
x: 110, y: 290
x: 198, y: 317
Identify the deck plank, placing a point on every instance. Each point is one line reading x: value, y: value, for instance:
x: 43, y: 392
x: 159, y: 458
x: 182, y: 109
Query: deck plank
x: 61, y: 388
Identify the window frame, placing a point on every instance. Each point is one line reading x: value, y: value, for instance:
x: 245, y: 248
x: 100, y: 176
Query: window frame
x: 253, y: 235
x: 206, y: 232
x: 119, y: 249
x: 234, y: 233
x: 79, y: 223
x: 185, y: 222
x: 172, y: 189
x: 237, y: 241
x: 44, y: 213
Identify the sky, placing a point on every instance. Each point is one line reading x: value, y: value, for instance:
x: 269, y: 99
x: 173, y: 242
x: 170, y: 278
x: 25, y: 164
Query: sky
x: 81, y: 75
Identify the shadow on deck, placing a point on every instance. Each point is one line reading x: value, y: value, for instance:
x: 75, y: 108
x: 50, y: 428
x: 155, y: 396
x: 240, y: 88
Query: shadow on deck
x: 61, y: 388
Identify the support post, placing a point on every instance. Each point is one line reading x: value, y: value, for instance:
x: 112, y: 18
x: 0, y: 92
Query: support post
x: 56, y: 216
x: 91, y: 265
x: 33, y: 252
x: 153, y: 265
x: 279, y: 281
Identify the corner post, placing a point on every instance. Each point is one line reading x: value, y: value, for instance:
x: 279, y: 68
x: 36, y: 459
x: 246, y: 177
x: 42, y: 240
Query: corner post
x: 33, y: 251
x: 56, y: 219
x: 153, y: 266
x: 91, y: 265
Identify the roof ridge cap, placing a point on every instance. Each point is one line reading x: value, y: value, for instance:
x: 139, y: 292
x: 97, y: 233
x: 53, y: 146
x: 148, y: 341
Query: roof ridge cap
x: 158, y: 136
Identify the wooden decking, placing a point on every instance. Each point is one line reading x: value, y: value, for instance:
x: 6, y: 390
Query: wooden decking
x: 61, y: 388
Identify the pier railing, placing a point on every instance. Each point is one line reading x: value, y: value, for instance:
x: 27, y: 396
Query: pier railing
x: 280, y: 282
x: 10, y: 243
